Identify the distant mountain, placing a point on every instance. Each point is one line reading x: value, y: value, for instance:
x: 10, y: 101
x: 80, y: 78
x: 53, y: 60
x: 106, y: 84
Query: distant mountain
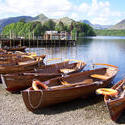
x: 3, y: 22
x: 41, y: 18
x: 96, y: 26
x: 65, y: 20
x: 119, y: 26
x: 87, y: 22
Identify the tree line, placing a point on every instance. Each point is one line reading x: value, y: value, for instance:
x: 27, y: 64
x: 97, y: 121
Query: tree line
x: 110, y: 32
x: 23, y: 28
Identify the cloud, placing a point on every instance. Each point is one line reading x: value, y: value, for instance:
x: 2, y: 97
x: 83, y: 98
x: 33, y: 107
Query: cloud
x: 35, y: 7
x: 97, y: 11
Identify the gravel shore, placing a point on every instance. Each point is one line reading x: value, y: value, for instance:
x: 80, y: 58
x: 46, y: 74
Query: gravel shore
x: 91, y: 111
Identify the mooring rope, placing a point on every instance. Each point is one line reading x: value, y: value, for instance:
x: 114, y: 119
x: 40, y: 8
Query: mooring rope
x: 29, y: 99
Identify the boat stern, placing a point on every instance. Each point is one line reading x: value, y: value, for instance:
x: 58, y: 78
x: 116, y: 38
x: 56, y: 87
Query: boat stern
x: 32, y: 99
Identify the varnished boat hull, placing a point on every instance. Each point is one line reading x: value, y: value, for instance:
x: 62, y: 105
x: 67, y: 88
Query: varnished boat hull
x: 16, y: 49
x: 5, y: 69
x: 42, y: 98
x: 17, y: 82
x: 116, y: 106
x: 21, y: 82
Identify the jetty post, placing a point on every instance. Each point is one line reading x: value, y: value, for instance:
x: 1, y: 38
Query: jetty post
x: 10, y: 38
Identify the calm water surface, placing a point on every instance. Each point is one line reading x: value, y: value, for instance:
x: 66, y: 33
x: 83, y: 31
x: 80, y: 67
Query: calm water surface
x: 109, y: 50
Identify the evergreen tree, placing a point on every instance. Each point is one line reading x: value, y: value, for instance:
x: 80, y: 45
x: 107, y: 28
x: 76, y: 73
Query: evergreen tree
x: 50, y: 25
x: 60, y: 26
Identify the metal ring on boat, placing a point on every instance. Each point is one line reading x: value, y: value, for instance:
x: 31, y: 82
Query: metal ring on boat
x: 35, y: 84
x: 107, y: 91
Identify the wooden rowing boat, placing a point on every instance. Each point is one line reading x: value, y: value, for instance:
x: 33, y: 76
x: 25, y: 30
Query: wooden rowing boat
x: 20, y: 81
x: 67, y: 88
x: 21, y: 66
x: 18, y: 48
x: 15, y: 59
x: 8, y: 56
x: 116, y: 105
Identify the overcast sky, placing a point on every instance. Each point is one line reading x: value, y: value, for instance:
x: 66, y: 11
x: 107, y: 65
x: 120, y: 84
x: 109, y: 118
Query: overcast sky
x: 96, y: 11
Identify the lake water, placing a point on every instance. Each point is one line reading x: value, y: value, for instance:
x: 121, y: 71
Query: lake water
x: 99, y: 49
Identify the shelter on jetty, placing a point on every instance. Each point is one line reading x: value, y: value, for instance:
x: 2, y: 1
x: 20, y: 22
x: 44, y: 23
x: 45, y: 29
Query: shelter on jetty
x: 55, y: 35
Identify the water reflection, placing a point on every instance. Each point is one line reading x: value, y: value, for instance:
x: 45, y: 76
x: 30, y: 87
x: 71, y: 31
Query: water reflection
x: 96, y: 49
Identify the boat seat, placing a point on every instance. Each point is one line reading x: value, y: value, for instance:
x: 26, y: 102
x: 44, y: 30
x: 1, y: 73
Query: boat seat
x: 98, y: 76
x: 61, y: 86
x: 22, y: 63
x: 87, y: 81
x: 25, y: 62
x: 65, y: 71
x: 64, y: 82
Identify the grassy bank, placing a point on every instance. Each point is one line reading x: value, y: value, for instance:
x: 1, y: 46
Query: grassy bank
x: 110, y: 32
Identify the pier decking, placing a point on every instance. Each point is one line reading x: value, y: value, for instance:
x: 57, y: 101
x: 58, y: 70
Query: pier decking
x: 49, y: 38
x: 34, y: 42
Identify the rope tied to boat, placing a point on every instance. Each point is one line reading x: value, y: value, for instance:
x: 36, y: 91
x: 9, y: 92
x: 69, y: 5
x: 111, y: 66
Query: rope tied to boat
x: 40, y: 101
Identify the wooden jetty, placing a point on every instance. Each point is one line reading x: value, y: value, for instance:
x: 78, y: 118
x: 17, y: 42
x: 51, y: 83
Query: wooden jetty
x: 49, y: 38
x: 34, y: 42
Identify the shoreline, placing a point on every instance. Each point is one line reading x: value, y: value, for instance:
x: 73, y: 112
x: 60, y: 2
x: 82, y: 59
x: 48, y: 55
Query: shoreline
x: 77, y: 112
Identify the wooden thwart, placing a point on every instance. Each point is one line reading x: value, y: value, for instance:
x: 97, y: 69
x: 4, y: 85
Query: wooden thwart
x: 98, y: 76
x: 67, y: 70
x: 73, y: 60
x: 53, y: 59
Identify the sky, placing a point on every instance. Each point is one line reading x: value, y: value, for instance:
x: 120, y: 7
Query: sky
x: 104, y: 12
